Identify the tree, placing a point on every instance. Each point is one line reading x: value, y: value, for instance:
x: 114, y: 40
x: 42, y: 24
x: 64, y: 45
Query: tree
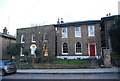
x: 26, y: 52
x: 37, y: 52
x: 114, y: 33
x: 13, y: 49
x: 42, y: 37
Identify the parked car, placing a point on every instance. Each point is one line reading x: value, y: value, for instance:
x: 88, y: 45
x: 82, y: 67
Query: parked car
x: 7, y: 67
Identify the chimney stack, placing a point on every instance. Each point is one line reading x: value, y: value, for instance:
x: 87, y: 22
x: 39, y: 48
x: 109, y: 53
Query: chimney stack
x: 60, y: 20
x: 5, y: 31
x: 109, y: 14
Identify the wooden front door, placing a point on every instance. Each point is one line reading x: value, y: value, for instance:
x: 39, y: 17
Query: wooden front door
x: 92, y: 50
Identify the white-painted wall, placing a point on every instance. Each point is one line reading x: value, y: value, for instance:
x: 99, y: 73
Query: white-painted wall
x: 75, y: 57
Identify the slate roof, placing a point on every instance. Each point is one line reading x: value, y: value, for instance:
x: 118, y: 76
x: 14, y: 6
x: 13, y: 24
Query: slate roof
x: 110, y: 17
x: 8, y: 36
x: 77, y: 23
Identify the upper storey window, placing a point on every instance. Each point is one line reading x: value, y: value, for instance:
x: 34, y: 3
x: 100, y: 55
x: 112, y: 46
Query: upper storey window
x: 33, y: 38
x: 64, y: 33
x: 77, y: 31
x: 22, y: 38
x: 91, y: 30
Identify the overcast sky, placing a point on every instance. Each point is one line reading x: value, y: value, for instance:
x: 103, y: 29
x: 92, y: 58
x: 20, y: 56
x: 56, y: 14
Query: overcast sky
x: 16, y: 14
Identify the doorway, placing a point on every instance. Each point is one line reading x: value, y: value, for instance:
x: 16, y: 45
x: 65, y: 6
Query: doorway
x: 92, y: 50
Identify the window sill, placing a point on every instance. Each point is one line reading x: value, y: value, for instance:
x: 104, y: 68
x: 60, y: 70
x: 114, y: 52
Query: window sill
x: 78, y: 36
x: 91, y: 36
x: 21, y: 55
x: 22, y: 42
x: 64, y: 53
x: 78, y: 53
x: 64, y: 38
x: 33, y: 41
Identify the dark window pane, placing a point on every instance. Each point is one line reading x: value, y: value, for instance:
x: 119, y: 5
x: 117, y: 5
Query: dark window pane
x: 65, y: 48
x: 78, y: 47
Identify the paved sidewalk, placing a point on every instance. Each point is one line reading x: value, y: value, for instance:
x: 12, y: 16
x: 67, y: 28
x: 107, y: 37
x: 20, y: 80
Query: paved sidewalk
x: 74, y: 71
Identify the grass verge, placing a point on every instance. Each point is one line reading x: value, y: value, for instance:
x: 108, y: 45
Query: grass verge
x: 70, y: 61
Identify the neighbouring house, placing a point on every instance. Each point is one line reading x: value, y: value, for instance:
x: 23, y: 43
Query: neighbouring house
x: 78, y: 40
x: 38, y: 38
x: 5, y: 41
x: 106, y: 23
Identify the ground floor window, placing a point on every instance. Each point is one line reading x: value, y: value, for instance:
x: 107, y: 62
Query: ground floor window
x: 78, y: 49
x: 21, y: 51
x: 65, y: 48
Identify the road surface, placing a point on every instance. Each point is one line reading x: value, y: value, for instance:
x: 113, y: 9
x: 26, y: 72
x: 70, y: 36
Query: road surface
x: 61, y: 77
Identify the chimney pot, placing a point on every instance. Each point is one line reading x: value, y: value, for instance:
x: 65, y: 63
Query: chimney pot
x: 62, y: 20
x: 58, y: 22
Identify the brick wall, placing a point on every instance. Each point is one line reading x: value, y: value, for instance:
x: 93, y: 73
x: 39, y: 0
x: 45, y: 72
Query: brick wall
x: 38, y: 31
x: 4, y: 43
x: 84, y: 39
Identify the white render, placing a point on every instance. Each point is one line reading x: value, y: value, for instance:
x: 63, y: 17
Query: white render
x: 75, y: 57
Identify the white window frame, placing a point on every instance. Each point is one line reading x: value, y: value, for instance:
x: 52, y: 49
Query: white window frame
x: 77, y: 33
x: 22, y: 37
x: 75, y: 49
x: 62, y: 49
x: 65, y: 34
x: 21, y: 52
x: 32, y: 38
x: 91, y: 32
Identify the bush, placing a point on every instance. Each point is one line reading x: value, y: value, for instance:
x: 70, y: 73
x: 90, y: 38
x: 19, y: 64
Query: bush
x: 25, y: 66
x: 115, y: 59
x: 37, y: 60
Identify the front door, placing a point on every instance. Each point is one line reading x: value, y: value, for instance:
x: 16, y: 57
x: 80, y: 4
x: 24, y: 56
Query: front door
x: 92, y: 50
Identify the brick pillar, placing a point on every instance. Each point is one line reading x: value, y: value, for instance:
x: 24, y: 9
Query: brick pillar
x: 107, y: 59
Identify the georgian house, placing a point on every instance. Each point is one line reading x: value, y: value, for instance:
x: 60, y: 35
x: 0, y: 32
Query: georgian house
x: 78, y: 40
x: 72, y: 40
x: 36, y: 38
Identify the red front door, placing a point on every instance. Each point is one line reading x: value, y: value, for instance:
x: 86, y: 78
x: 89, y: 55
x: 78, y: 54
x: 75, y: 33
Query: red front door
x: 92, y: 50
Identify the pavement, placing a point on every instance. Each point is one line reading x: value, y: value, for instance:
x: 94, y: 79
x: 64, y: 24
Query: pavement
x: 68, y: 71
